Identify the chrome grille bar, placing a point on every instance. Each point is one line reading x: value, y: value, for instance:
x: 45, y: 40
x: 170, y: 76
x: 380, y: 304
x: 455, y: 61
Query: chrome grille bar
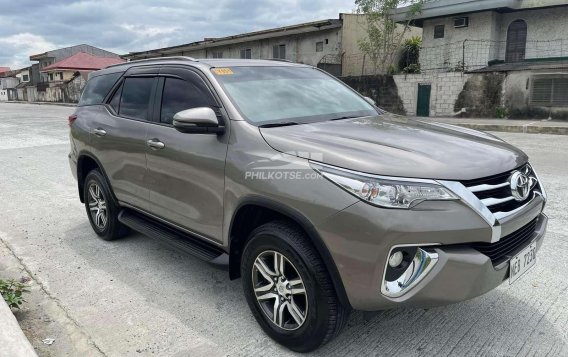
x: 481, y: 188
x: 495, y: 201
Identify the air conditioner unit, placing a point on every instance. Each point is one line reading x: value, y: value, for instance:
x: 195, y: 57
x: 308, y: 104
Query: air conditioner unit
x: 461, y: 22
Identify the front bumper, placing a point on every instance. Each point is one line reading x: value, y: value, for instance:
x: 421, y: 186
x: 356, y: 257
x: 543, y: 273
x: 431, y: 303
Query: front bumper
x: 360, y: 238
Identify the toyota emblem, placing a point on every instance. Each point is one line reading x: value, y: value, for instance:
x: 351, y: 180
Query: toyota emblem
x: 520, y: 186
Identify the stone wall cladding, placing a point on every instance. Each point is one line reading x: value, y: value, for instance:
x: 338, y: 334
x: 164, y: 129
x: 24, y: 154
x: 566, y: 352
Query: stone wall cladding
x: 381, y: 88
x: 445, y: 90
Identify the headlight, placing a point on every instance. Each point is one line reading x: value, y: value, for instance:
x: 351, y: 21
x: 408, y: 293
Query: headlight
x: 389, y: 192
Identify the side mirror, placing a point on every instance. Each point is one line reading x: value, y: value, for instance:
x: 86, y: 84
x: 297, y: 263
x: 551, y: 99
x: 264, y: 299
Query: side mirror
x: 198, y: 121
x: 370, y: 100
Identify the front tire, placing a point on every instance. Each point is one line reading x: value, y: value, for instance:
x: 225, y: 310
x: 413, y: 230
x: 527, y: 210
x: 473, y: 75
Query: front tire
x: 101, y: 208
x: 288, y: 288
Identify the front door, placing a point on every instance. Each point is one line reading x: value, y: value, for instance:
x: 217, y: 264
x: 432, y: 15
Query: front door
x: 423, y: 103
x: 186, y: 177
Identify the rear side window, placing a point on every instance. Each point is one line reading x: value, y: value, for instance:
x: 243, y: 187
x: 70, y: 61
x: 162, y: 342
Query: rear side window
x: 115, y: 101
x: 97, y: 88
x: 135, y: 98
x: 180, y: 95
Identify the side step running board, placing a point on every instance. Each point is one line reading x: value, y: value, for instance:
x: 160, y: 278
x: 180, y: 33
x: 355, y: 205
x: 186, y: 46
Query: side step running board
x: 173, y: 237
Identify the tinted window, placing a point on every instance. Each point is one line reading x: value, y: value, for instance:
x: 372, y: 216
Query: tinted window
x: 115, y: 101
x: 135, y: 97
x: 180, y: 95
x: 97, y: 88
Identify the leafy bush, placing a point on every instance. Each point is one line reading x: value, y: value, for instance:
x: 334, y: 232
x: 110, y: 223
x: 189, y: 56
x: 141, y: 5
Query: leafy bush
x: 410, y: 57
x: 12, y: 292
x: 501, y: 112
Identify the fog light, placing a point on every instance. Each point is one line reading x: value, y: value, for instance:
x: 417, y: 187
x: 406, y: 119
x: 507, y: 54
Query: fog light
x: 396, y: 259
x: 406, y: 267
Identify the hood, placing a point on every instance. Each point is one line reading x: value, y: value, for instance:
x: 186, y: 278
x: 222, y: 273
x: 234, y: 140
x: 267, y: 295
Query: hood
x: 392, y: 145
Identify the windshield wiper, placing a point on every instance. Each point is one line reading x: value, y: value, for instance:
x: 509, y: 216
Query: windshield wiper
x: 275, y: 125
x: 345, y: 117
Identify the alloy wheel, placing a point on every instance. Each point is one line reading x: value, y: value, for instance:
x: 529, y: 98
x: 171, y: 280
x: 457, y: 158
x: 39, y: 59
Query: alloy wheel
x: 97, y: 206
x: 280, y: 290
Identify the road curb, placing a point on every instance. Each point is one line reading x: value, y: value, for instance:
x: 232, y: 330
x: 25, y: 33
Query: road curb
x: 13, y: 342
x: 43, y: 103
x: 525, y: 129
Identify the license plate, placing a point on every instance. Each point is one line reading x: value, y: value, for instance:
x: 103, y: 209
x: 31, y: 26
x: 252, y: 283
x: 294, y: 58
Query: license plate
x: 522, y: 262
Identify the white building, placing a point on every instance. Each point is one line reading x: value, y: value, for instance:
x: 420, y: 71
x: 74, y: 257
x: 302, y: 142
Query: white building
x: 523, y: 44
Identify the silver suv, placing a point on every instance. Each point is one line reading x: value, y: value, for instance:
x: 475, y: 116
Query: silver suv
x: 320, y: 201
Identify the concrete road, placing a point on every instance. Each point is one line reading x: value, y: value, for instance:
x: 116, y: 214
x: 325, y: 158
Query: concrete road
x: 133, y: 296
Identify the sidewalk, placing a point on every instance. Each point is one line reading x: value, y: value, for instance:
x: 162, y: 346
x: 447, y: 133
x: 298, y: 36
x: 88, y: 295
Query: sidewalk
x: 508, y: 125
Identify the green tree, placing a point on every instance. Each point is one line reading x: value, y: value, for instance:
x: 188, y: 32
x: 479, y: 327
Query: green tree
x: 383, y: 38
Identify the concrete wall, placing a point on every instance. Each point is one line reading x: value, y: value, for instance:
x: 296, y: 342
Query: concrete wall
x: 445, y: 90
x: 300, y: 48
x: 517, y: 93
x: 381, y: 88
x: 9, y: 82
x: 67, y: 92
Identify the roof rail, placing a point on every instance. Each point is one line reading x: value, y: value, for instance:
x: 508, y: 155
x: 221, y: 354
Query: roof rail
x: 280, y: 60
x: 155, y: 59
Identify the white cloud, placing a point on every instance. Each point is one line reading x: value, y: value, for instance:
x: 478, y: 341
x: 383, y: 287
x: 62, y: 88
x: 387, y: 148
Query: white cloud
x: 20, y: 46
x: 150, y: 31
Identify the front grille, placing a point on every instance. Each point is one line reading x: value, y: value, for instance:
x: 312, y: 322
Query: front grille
x: 495, y: 191
x: 507, y: 246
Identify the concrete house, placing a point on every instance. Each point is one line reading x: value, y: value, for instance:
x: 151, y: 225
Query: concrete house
x: 330, y: 44
x: 8, y: 83
x: 82, y: 62
x: 515, y: 49
x: 50, y: 57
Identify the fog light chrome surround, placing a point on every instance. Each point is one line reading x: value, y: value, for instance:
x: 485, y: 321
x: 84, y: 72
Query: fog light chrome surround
x: 419, y: 267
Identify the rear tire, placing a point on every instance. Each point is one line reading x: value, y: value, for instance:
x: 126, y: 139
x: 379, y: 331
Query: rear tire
x: 101, y: 207
x: 279, y: 262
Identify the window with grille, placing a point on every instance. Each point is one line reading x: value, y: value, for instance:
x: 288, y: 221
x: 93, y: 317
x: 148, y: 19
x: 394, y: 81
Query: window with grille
x: 550, y: 92
x: 439, y: 31
x: 279, y: 51
x: 218, y: 54
x: 246, y: 53
x: 516, y: 41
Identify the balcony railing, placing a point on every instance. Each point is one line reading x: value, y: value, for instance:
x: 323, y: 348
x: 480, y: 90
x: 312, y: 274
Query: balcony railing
x: 471, y: 55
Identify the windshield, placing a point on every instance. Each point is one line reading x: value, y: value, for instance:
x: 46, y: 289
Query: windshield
x: 272, y: 95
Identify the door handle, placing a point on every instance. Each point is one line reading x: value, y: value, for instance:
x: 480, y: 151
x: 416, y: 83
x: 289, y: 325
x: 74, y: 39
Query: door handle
x: 155, y: 144
x: 99, y: 132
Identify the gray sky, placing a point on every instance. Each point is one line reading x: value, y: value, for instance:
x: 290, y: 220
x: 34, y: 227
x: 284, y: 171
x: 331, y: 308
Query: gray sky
x: 35, y: 26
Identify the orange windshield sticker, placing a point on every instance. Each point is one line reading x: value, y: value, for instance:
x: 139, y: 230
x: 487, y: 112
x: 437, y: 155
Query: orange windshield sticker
x: 222, y: 71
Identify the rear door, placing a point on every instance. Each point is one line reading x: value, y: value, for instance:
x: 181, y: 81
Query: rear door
x: 119, y: 136
x: 186, y: 176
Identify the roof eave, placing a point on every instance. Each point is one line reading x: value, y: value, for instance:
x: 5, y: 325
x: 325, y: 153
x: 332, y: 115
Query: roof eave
x: 432, y: 10
x: 245, y: 37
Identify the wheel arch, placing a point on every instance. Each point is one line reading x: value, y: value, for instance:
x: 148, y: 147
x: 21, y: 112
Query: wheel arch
x: 237, y: 241
x: 86, y: 162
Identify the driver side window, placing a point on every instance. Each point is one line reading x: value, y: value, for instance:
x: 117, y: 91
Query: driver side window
x: 180, y: 95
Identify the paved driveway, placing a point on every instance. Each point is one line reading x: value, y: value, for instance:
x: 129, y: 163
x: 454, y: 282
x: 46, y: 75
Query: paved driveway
x: 134, y: 297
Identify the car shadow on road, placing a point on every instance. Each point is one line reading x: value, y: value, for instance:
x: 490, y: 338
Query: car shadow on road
x: 202, y: 297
